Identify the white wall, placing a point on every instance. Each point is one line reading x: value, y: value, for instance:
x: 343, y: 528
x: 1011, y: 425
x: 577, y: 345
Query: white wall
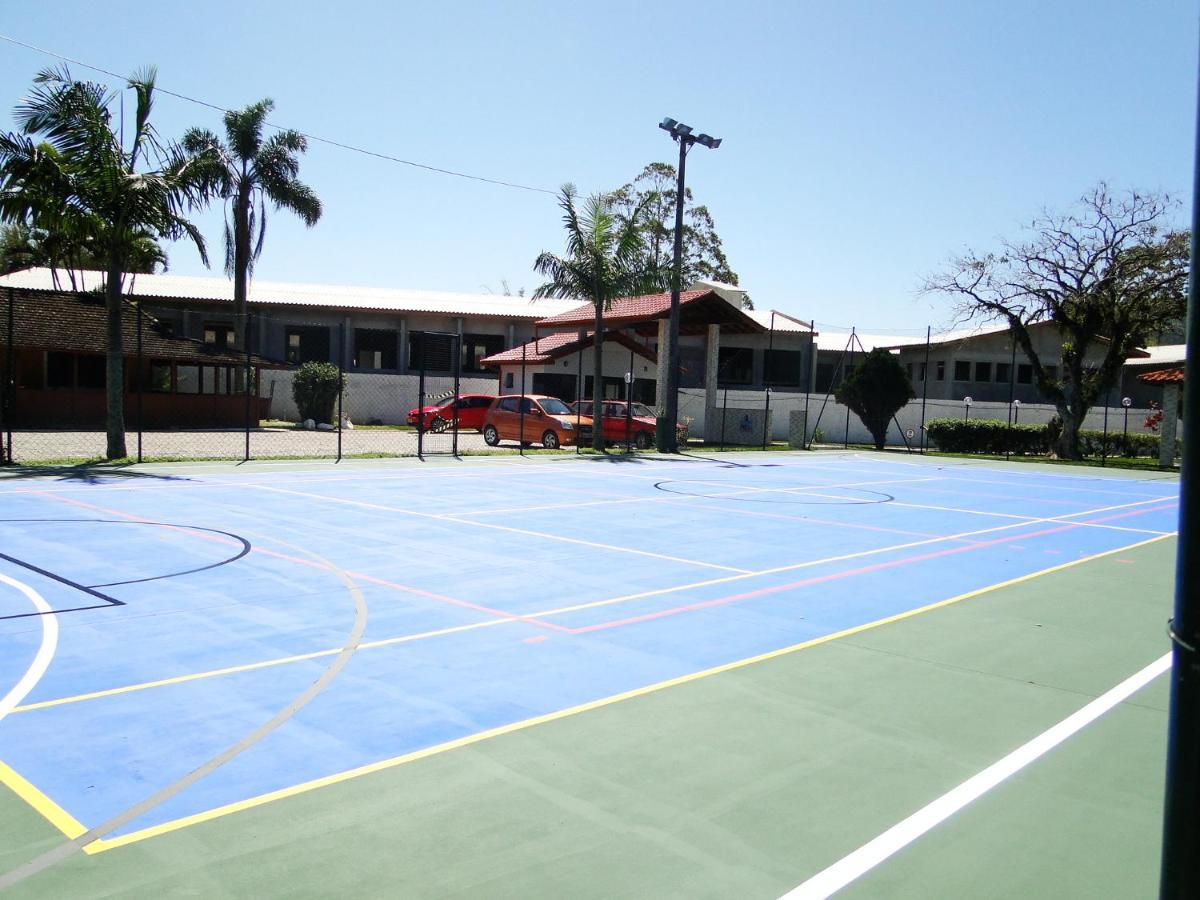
x: 370, y: 396
x: 833, y: 420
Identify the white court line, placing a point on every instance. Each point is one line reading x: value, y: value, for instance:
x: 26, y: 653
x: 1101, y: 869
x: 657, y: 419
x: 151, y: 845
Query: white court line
x: 45, y: 653
x: 853, y: 866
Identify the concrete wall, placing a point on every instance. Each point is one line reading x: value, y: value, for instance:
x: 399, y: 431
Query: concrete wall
x: 836, y: 429
x: 387, y: 398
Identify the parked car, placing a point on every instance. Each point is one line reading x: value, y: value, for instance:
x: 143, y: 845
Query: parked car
x: 641, y: 424
x: 533, y: 419
x: 468, y: 411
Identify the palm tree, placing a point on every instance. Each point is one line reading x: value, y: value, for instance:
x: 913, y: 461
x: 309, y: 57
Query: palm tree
x: 247, y: 171
x: 83, y: 184
x: 605, y: 260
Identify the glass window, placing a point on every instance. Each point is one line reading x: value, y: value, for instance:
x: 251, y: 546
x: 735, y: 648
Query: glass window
x: 510, y: 404
x: 735, y: 365
x: 983, y: 371
x: 962, y: 370
x: 508, y: 379
x: 60, y: 370
x: 1024, y: 373
x: 431, y: 352
x: 941, y: 371
x: 218, y: 335
x: 783, y: 367
x: 922, y: 372
x: 91, y: 372
x: 555, y: 407
x: 307, y: 343
x: 1003, y: 372
x: 187, y: 379
x: 476, y: 346
x: 374, y: 348
x: 160, y: 377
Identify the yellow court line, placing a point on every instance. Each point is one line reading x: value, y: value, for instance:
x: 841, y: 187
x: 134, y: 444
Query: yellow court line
x: 249, y: 803
x: 47, y: 808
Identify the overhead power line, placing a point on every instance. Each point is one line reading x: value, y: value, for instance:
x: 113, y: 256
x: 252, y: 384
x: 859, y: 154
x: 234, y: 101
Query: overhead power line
x: 312, y: 137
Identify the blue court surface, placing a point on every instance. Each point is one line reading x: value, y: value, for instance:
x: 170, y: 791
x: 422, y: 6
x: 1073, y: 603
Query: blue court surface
x: 301, y: 624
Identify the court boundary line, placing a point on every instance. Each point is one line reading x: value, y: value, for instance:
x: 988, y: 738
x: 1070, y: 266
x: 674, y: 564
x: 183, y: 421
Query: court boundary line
x: 55, y: 814
x: 868, y: 856
x: 43, y: 656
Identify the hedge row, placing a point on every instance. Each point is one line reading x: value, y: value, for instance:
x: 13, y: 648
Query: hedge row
x: 995, y: 436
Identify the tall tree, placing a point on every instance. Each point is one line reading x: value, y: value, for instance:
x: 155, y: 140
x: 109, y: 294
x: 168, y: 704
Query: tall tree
x: 247, y: 171
x: 653, y: 191
x: 875, y: 391
x: 1109, y: 275
x: 84, y: 184
x: 24, y: 247
x: 605, y: 259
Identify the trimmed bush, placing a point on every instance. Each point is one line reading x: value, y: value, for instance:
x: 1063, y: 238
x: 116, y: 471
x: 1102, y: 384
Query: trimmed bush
x: 315, y: 389
x: 995, y: 436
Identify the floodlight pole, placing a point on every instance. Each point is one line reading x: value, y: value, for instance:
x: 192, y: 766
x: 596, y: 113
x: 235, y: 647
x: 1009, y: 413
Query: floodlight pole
x: 665, y: 433
x: 1180, y: 877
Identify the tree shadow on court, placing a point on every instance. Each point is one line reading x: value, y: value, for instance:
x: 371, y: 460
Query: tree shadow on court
x: 86, y: 473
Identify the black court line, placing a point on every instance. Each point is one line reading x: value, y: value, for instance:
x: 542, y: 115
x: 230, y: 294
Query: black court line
x: 110, y: 602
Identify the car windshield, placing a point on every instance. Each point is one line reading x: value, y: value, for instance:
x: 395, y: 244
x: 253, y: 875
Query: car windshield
x: 640, y: 409
x: 555, y: 407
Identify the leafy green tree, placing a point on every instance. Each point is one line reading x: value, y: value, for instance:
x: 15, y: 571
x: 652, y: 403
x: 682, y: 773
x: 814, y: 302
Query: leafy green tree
x: 24, y: 247
x: 81, y: 183
x: 653, y: 191
x: 875, y: 391
x: 1109, y: 275
x: 605, y: 259
x: 246, y: 171
x: 315, y: 387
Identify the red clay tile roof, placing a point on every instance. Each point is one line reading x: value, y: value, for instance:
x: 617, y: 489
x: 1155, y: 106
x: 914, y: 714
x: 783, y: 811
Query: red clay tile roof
x: 1163, y: 376
x: 645, y: 306
x: 76, y: 323
x: 550, y: 347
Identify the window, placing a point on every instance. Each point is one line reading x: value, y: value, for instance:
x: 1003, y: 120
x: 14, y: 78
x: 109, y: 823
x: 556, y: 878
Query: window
x: 476, y: 346
x: 218, y: 335
x: 962, y: 370
x: 735, y: 365
x: 374, y: 348
x: 1024, y: 373
x: 941, y: 370
x: 187, y: 379
x: 983, y: 371
x: 908, y: 370
x: 91, y: 372
x: 824, y: 377
x: 160, y: 377
x: 783, y: 367
x: 431, y: 352
x: 307, y: 343
x: 60, y: 370
x: 1003, y: 373
x: 922, y: 372
x: 510, y: 404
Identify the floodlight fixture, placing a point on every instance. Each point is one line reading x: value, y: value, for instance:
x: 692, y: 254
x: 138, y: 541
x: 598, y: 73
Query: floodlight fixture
x: 707, y: 140
x: 668, y: 124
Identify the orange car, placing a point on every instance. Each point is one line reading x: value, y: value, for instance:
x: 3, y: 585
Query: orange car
x: 532, y: 419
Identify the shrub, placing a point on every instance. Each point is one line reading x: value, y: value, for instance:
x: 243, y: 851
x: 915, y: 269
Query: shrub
x: 987, y: 436
x: 315, y: 387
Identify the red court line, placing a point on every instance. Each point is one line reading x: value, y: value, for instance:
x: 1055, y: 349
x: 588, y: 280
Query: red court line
x: 312, y: 564
x: 848, y: 573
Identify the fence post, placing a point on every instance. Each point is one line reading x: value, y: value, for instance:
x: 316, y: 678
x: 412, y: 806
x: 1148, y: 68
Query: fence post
x: 808, y: 377
x: 1104, y: 439
x: 341, y: 383
x: 420, y: 395
x: 140, y: 363
x: 458, y: 345
x: 849, y: 369
x: 1012, y: 386
x: 579, y: 393
x: 521, y: 407
x: 247, y: 382
x: 8, y: 397
x: 925, y: 384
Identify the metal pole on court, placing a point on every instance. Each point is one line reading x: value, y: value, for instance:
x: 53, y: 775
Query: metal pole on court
x: 1181, y: 816
x: 629, y: 405
x: 1126, y: 402
x: 579, y: 393
x: 666, y: 431
x: 420, y: 336
x: 8, y: 398
x: 925, y: 383
x: 767, y: 380
x: 458, y: 347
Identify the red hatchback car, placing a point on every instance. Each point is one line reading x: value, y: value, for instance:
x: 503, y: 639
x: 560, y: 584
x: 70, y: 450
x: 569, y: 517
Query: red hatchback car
x: 641, y: 424
x: 467, y: 412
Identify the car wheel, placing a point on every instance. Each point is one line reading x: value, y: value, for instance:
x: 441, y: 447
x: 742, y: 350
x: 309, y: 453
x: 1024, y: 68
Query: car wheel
x: 437, y: 425
x: 642, y: 441
x: 550, y: 440
x: 491, y: 436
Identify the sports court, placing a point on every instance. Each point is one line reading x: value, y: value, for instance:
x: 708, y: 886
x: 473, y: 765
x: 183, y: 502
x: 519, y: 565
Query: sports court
x: 709, y: 675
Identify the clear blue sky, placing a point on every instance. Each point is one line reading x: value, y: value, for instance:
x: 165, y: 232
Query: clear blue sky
x: 864, y: 141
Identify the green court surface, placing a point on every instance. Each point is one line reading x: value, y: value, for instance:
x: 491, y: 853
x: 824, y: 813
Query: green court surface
x: 741, y: 783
